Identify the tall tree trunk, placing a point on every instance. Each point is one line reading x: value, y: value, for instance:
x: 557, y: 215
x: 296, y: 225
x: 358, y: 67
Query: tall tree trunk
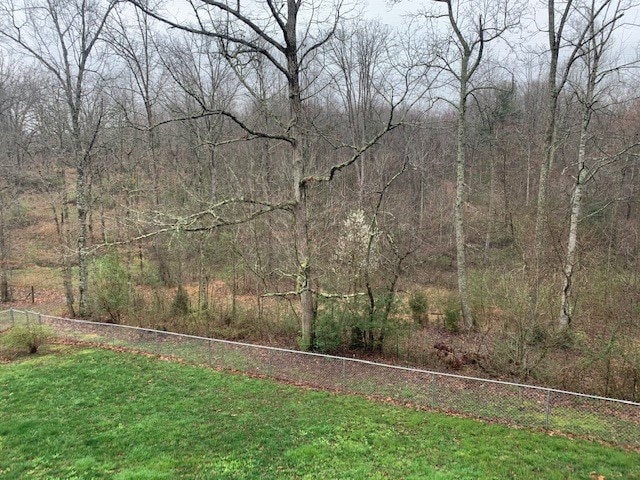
x: 83, y: 257
x: 300, y: 188
x: 492, y: 207
x: 213, y: 174
x: 471, y: 47
x: 301, y: 220
x: 461, y: 140
x: 151, y: 140
x: 545, y: 169
x: 67, y: 273
x: 552, y: 95
x: 572, y: 243
x: 307, y: 301
x: 592, y: 59
x: 4, y: 279
x: 203, y: 279
x: 63, y: 230
x: 527, y: 198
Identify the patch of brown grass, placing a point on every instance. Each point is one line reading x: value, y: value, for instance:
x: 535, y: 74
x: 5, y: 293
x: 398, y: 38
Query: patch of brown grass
x: 38, y: 277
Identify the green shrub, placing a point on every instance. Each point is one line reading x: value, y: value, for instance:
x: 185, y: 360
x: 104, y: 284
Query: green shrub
x: 419, y: 305
x: 27, y: 338
x: 452, y: 317
x: 19, y: 215
x: 110, y: 292
x: 369, y: 326
x: 329, y: 332
x: 568, y: 339
x: 145, y: 272
x: 538, y: 336
x: 181, y: 301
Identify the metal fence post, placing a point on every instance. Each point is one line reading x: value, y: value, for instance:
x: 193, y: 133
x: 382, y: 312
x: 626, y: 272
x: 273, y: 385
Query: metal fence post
x: 12, y: 317
x: 344, y: 374
x: 269, y: 365
x: 432, y: 390
x: 74, y: 329
x: 547, y: 410
x: 210, y: 353
x: 39, y: 319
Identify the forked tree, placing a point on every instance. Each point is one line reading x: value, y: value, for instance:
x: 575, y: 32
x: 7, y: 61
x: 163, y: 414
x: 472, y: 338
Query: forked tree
x: 600, y: 20
x: 567, y: 34
x: 473, y: 25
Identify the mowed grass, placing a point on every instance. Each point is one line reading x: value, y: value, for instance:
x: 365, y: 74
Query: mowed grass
x: 85, y: 413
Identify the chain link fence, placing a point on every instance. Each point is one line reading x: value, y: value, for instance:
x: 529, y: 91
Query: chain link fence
x: 596, y: 418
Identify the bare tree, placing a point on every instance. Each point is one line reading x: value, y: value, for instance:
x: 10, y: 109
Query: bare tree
x: 18, y: 95
x: 359, y: 52
x: 602, y: 20
x: 556, y: 79
x: 6, y: 186
x: 62, y: 37
x: 131, y: 38
x: 473, y: 25
x: 569, y: 35
x: 204, y: 80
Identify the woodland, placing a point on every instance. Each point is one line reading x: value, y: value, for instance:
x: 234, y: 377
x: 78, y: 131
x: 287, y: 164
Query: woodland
x: 459, y: 192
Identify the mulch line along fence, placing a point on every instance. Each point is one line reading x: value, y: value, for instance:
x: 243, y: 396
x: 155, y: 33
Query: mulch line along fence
x: 597, y: 418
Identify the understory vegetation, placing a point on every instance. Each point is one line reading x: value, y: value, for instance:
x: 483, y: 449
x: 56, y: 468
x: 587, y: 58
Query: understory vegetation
x: 598, y: 355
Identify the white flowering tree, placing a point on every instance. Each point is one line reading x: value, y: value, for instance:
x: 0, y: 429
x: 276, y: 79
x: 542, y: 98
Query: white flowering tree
x: 358, y: 251
x: 363, y: 250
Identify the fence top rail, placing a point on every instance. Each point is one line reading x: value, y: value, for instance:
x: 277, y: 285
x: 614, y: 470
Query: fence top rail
x: 334, y: 357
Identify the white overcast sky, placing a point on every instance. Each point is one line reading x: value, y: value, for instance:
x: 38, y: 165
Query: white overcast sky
x: 397, y: 15
x: 628, y: 37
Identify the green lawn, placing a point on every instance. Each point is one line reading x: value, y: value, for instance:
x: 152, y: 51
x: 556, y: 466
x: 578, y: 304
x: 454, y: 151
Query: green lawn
x: 99, y: 414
